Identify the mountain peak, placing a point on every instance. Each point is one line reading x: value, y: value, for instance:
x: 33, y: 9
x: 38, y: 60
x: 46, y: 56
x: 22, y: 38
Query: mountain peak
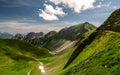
x: 114, y: 18
x: 113, y: 22
x: 86, y: 23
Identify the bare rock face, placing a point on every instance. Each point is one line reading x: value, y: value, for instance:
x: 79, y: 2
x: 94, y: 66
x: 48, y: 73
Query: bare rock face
x: 19, y: 36
x: 33, y: 35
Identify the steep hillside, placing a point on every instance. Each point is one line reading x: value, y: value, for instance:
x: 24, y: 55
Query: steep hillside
x: 101, y: 57
x: 71, y: 33
x: 114, y: 19
x: 18, y: 57
x: 98, y: 52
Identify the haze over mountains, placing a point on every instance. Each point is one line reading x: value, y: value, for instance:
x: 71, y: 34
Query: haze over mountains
x: 5, y: 35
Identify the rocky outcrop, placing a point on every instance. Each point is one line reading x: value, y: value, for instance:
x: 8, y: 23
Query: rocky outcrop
x: 19, y: 36
x: 33, y: 35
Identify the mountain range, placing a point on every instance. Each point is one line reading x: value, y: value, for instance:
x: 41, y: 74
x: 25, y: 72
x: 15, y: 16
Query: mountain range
x: 53, y: 39
x: 81, y: 49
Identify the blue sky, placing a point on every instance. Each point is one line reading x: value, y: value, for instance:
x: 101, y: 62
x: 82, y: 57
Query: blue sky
x: 23, y: 16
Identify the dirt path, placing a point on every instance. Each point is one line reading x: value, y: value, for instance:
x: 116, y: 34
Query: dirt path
x: 45, y: 70
x: 40, y: 67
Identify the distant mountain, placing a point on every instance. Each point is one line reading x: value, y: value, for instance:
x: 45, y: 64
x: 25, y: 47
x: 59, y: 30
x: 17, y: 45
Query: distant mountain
x: 5, y: 35
x: 75, y: 32
x: 70, y: 33
x: 50, y: 34
x: 19, y: 36
x: 31, y: 37
x: 98, y: 52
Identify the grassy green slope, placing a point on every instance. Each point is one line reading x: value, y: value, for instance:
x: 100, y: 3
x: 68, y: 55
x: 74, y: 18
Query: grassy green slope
x: 57, y: 63
x: 17, y: 57
x: 98, y: 52
x: 103, y: 55
x: 100, y: 55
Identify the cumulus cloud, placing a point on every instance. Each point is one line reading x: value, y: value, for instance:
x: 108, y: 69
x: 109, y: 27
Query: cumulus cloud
x: 76, y: 5
x: 50, y: 13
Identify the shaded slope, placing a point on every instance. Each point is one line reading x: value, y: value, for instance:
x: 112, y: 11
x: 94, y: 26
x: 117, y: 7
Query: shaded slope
x: 84, y: 41
x: 21, y: 47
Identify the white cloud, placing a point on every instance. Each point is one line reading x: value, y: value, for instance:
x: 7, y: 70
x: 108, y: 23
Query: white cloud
x: 101, y: 4
x: 76, y: 5
x: 20, y: 27
x: 50, y: 13
x: 115, y: 7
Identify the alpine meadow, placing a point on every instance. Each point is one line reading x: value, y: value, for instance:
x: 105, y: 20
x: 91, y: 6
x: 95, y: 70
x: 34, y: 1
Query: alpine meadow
x: 59, y: 37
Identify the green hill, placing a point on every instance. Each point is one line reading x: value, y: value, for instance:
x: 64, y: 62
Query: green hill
x: 98, y: 52
x: 101, y: 57
x: 71, y: 33
x: 18, y: 57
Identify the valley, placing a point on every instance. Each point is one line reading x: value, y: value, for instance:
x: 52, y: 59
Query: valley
x: 80, y: 49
